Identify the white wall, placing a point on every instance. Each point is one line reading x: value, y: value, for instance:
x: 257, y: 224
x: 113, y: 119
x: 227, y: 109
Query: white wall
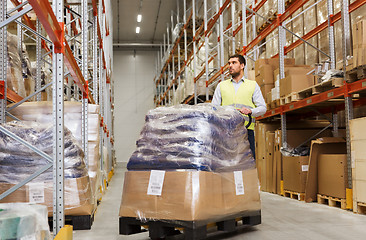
x: 134, y: 96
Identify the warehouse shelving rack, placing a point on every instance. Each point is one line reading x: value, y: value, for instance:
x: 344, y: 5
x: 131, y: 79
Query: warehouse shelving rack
x: 80, y: 72
x: 321, y: 101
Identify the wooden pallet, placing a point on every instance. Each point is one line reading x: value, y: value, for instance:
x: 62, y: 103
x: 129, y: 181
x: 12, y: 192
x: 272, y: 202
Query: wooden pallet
x: 294, y: 195
x: 292, y: 97
x: 275, y: 104
x: 332, y: 201
x: 361, y: 208
x: 356, y: 73
x: 320, y: 87
x: 193, y: 230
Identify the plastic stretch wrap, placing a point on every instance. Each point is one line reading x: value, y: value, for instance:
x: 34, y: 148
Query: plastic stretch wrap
x: 41, y: 112
x: 15, y: 80
x: 18, y: 161
x: 198, y: 196
x: 203, y: 137
x: 23, y: 221
x: 29, y: 82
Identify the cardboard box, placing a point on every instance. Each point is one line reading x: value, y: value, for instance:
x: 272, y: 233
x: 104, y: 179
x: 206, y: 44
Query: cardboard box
x: 189, y: 195
x: 325, y: 145
x: 269, y: 161
x: 269, y: 97
x: 278, y: 160
x: 289, y: 70
x: 271, y: 61
x: 77, y: 195
x: 295, y: 173
x: 332, y: 175
x: 358, y: 152
x: 266, y: 75
x: 266, y: 89
x: 360, y: 33
x: 295, y: 83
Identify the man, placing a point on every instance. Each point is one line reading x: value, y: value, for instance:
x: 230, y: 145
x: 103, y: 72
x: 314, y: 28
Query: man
x: 243, y: 94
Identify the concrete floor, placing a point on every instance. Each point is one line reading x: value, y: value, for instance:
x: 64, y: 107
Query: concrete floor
x: 282, y: 218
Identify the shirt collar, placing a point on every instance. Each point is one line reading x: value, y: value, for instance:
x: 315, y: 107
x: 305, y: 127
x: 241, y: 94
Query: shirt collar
x: 241, y: 80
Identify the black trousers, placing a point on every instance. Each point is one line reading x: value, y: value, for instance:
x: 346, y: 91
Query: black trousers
x: 251, y: 141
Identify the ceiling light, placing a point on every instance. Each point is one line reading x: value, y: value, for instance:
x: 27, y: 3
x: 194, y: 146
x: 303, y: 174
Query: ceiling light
x: 137, y: 29
x: 139, y: 18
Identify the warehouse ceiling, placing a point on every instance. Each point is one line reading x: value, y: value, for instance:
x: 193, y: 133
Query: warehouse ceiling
x: 155, y: 16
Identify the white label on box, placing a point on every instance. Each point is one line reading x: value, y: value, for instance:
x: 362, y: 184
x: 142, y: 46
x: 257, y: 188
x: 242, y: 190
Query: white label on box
x: 305, y: 168
x: 156, y: 182
x: 239, y: 184
x: 353, y: 160
x: 36, y: 192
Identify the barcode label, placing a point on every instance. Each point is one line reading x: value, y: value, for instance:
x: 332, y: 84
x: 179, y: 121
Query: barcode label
x: 156, y: 182
x: 36, y: 192
x: 305, y: 168
x: 239, y: 184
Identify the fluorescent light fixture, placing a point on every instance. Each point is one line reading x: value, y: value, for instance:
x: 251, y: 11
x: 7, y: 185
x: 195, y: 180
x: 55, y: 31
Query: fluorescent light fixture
x: 139, y: 18
x: 137, y: 29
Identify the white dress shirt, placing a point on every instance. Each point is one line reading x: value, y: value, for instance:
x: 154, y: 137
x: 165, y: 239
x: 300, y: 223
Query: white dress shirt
x: 258, y: 100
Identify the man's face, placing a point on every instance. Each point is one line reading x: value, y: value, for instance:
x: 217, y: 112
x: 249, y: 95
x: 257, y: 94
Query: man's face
x: 235, y: 67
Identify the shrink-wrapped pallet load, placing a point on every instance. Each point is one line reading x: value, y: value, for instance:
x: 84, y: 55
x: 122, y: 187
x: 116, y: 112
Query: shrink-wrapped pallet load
x: 41, y: 112
x: 208, y: 170
x: 18, y: 162
x: 23, y: 221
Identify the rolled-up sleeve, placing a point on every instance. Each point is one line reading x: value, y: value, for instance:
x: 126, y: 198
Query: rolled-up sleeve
x: 216, y: 99
x: 259, y: 102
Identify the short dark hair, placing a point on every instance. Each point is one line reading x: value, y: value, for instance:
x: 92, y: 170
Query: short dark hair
x: 240, y: 57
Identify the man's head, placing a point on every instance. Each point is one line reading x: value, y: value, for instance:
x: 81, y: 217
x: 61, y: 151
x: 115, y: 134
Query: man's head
x: 236, y: 65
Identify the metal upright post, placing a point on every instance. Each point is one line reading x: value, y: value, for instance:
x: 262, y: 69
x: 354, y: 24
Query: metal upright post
x: 84, y: 47
x: 39, y: 62
x: 335, y: 124
x: 206, y: 47
x: 281, y: 54
x: 331, y: 35
x: 233, y: 26
x: 3, y: 61
x: 168, y: 39
x: 178, y: 82
x: 222, y: 63
x: 346, y: 50
x: 218, y: 42
x: 95, y: 58
x: 20, y: 35
x: 244, y: 29
x: 185, y: 38
x: 194, y: 50
x: 58, y: 131
x: 165, y: 48
x: 254, y: 31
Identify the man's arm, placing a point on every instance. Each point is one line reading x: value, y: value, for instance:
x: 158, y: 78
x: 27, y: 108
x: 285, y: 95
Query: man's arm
x: 216, y: 99
x: 259, y: 102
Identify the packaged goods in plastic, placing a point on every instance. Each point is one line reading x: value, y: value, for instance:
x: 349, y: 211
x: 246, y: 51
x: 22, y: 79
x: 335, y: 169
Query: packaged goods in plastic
x: 41, y: 112
x: 15, y: 79
x: 203, y: 137
x: 18, y: 162
x: 23, y: 221
x: 191, y: 196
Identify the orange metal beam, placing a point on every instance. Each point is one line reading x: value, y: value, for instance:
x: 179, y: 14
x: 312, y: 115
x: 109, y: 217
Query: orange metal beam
x: 322, y: 26
x: 95, y: 7
x: 48, y: 19
x: 293, y: 8
x: 30, y: 24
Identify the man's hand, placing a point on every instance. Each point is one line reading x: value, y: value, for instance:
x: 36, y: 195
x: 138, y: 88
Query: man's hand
x: 245, y: 111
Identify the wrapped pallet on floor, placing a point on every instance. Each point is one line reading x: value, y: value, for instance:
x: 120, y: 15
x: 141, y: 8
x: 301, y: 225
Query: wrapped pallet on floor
x: 41, y: 112
x: 192, y: 167
x: 18, y: 162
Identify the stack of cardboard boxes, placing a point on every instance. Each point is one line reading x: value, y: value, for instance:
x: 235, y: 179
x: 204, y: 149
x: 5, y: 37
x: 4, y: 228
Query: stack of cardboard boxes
x: 275, y: 169
x: 358, y: 142
x: 359, y: 43
x: 273, y: 88
x: 264, y: 69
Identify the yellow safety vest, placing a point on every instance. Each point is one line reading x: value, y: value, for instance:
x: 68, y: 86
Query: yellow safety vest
x: 242, y: 98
